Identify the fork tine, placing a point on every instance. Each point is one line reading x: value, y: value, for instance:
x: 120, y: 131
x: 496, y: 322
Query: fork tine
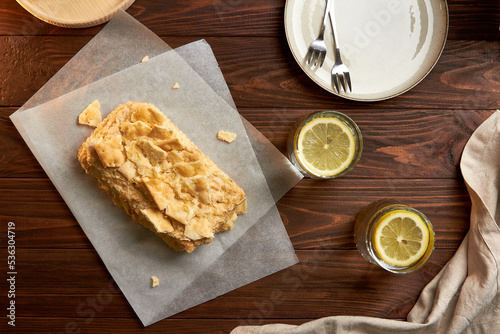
x: 316, y: 57
x: 322, y: 60
x: 312, y: 57
x: 348, y: 79
x: 309, y: 56
x: 342, y: 81
x: 335, y: 82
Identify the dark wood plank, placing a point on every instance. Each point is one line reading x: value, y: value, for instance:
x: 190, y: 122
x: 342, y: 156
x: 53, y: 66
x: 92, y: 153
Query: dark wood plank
x: 474, y: 19
x: 28, y: 62
x: 70, y: 283
x: 56, y: 325
x: 316, y: 214
x: 468, y: 19
x: 46, y: 232
x: 324, y: 212
x: 397, y: 143
x: 466, y: 77
x: 264, y: 82
x: 26, y: 199
x: 16, y: 159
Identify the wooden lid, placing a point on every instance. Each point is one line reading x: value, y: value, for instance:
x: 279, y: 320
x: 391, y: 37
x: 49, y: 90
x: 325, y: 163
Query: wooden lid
x: 74, y: 13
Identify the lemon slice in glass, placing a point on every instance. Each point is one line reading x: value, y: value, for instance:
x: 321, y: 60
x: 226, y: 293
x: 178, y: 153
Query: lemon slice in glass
x: 400, y: 238
x: 326, y: 146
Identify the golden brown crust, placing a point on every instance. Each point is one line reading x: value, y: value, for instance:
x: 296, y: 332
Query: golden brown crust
x: 160, y: 177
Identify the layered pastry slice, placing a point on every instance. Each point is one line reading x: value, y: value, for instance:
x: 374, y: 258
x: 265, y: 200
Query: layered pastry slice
x: 160, y: 177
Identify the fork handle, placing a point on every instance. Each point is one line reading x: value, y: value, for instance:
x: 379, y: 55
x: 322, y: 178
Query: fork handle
x: 331, y: 14
x: 325, y: 17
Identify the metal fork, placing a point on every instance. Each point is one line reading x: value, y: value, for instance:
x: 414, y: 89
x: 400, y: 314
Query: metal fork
x: 340, y: 72
x: 317, y: 50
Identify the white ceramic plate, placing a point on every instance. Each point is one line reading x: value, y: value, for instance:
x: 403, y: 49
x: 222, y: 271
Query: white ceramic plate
x: 389, y: 46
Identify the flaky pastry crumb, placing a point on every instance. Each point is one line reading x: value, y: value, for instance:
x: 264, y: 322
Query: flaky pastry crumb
x: 228, y: 137
x: 154, y: 281
x: 91, y: 115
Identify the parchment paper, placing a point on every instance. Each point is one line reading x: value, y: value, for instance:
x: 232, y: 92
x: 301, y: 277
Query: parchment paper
x: 178, y: 273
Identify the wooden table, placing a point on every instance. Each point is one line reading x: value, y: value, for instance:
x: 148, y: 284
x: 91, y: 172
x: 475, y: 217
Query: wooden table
x: 412, y: 149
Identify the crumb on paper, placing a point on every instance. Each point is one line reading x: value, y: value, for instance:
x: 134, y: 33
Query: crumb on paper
x: 176, y: 86
x: 228, y: 137
x: 91, y: 115
x: 146, y: 58
x: 154, y: 281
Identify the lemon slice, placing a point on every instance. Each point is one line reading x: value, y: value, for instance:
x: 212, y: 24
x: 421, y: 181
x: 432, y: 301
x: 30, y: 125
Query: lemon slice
x: 326, y: 146
x: 400, y: 238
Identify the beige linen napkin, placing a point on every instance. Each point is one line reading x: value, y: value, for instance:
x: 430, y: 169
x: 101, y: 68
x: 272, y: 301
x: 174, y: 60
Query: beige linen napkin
x: 464, y: 297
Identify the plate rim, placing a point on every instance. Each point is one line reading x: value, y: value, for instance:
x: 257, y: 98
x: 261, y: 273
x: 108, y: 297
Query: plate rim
x: 443, y: 44
x: 84, y: 23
